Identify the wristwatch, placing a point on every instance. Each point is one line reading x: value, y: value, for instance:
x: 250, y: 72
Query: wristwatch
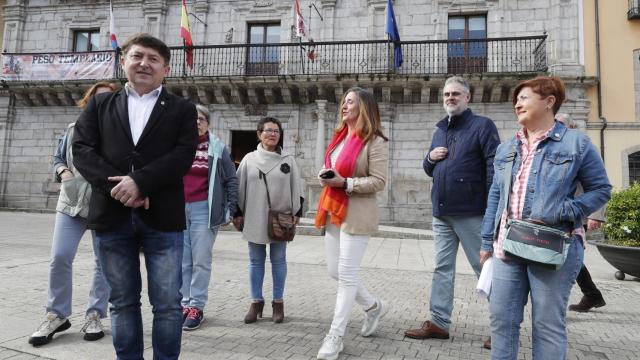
x: 59, y: 174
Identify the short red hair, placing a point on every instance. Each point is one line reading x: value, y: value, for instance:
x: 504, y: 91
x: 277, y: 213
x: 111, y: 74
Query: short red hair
x: 544, y: 86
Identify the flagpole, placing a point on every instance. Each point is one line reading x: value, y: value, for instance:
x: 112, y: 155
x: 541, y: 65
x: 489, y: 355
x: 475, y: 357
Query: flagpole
x: 301, y: 55
x: 389, y: 53
x: 184, y: 60
x: 116, y: 62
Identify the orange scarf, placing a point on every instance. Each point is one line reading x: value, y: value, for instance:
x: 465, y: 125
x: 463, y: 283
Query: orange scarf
x: 334, y: 200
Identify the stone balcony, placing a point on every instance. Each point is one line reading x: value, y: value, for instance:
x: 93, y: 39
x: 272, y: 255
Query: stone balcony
x: 256, y: 76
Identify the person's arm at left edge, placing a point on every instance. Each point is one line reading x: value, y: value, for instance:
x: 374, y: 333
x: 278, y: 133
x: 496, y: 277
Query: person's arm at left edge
x: 489, y: 141
x: 173, y: 165
x: 597, y: 189
x: 296, y: 192
x: 60, y: 168
x: 230, y: 182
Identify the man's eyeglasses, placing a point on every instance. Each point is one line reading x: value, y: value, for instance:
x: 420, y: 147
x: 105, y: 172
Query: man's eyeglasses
x: 271, y: 131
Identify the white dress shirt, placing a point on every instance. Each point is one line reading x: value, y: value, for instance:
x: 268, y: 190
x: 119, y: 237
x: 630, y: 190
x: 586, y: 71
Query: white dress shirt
x: 140, y: 108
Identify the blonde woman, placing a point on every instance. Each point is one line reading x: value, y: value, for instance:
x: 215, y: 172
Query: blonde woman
x: 354, y: 171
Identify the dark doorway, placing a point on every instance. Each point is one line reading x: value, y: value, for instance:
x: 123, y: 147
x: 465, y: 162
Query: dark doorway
x: 242, y: 143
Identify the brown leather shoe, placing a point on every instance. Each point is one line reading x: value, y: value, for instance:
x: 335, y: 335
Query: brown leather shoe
x: 487, y: 343
x: 254, y: 312
x: 278, y: 312
x: 428, y: 331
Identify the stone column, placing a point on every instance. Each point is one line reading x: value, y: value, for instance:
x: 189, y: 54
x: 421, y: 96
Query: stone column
x: 201, y: 9
x: 313, y: 187
x: 328, y: 13
x: 376, y: 7
x: 320, y: 141
x: 14, y: 17
x: 7, y: 104
x: 154, y: 12
x: 385, y: 202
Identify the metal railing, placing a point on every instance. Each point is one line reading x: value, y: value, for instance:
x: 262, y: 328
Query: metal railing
x: 431, y: 57
x: 469, y: 56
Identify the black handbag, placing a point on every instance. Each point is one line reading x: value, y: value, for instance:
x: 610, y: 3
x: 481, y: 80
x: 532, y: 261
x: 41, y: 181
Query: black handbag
x: 529, y: 241
x: 280, y: 226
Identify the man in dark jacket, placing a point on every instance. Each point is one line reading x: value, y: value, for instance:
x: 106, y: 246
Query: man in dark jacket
x: 460, y: 160
x: 134, y: 146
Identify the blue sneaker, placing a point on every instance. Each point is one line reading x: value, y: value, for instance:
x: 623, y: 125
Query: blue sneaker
x: 194, y: 319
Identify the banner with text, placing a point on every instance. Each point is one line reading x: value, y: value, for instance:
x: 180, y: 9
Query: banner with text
x: 58, y: 66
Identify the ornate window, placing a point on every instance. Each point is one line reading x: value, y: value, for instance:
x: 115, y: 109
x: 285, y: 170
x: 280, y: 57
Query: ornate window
x: 634, y: 168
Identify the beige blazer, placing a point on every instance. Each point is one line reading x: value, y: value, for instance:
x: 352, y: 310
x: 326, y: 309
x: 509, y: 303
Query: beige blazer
x: 369, y: 177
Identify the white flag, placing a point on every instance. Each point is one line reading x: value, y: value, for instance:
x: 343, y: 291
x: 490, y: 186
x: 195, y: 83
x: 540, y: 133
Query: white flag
x: 300, y: 26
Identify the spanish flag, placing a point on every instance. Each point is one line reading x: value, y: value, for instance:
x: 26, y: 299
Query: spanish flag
x: 185, y: 33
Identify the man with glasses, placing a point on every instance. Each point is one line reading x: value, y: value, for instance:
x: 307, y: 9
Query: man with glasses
x: 134, y: 146
x: 460, y: 161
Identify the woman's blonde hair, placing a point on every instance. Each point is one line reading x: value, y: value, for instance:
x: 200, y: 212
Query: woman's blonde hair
x: 368, y: 124
x: 92, y: 91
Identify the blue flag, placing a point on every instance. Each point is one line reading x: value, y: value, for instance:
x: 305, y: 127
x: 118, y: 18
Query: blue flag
x: 392, y: 30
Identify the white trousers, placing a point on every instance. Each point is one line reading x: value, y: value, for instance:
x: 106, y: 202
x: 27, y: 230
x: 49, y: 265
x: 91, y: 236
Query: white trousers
x: 344, y: 255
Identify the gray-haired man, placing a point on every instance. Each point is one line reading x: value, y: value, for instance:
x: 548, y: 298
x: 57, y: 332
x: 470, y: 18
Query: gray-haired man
x: 460, y: 160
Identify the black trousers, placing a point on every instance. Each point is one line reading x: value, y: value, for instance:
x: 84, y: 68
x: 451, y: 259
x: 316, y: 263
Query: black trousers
x: 586, y: 284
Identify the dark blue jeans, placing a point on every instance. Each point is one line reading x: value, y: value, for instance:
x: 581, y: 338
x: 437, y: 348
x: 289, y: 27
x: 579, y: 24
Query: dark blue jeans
x: 119, y: 252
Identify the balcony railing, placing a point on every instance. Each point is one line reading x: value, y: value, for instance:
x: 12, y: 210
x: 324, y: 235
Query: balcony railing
x: 499, y: 55
x: 432, y: 57
x: 634, y: 10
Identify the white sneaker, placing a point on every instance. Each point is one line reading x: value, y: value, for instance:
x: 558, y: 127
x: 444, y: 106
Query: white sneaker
x: 92, y: 328
x: 331, y: 347
x: 51, y: 325
x: 372, y: 317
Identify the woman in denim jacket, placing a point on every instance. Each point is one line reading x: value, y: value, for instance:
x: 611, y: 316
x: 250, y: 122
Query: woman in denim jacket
x: 71, y: 223
x: 550, y: 161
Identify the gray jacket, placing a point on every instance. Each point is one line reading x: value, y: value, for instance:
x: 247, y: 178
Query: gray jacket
x: 75, y: 193
x: 223, y: 187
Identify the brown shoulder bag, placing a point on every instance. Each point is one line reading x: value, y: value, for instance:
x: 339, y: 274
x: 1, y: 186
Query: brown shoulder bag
x: 281, y: 226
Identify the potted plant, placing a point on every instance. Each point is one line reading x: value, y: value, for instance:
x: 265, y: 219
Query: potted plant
x: 622, y: 232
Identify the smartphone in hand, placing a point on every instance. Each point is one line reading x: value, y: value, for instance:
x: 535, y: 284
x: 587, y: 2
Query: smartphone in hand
x: 328, y: 174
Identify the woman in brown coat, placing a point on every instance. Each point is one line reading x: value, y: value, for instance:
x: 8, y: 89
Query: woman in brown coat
x: 355, y: 170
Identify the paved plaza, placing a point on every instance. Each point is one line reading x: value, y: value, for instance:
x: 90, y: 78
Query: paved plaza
x: 397, y: 270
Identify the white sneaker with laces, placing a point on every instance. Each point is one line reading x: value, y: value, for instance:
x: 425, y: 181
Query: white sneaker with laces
x: 51, y: 325
x: 92, y: 328
x: 331, y: 347
x: 372, y: 318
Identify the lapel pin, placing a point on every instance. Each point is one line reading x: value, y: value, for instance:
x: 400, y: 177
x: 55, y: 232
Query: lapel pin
x: 162, y: 102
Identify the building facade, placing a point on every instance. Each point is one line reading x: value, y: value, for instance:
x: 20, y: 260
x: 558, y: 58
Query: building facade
x: 248, y: 63
x: 612, y: 54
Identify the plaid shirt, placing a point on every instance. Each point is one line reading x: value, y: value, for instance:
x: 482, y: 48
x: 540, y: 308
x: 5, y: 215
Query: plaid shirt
x: 519, y: 186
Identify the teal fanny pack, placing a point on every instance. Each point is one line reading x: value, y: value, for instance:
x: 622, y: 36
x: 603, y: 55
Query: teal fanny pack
x: 536, y: 243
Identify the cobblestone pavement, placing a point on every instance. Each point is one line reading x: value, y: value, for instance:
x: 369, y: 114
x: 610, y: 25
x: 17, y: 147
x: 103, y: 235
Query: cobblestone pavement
x: 397, y: 270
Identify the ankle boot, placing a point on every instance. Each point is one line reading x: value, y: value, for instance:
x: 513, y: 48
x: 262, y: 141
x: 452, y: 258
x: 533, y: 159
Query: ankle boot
x: 255, y: 311
x: 278, y: 312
